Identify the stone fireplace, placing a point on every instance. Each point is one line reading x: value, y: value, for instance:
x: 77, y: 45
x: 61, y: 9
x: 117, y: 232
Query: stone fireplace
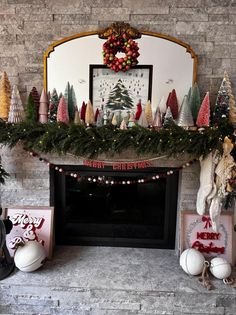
x: 33, y: 182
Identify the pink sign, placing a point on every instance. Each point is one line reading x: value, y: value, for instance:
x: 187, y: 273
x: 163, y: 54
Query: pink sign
x: 30, y: 224
x: 197, y: 232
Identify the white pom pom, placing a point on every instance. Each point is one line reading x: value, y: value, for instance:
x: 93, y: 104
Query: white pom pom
x: 220, y: 268
x: 30, y: 257
x: 192, y: 261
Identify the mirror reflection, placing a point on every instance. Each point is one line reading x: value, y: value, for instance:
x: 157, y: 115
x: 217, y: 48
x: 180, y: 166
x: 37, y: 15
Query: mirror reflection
x: 165, y: 64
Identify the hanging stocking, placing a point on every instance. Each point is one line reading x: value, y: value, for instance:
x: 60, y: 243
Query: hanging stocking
x: 223, y: 173
x: 207, y: 187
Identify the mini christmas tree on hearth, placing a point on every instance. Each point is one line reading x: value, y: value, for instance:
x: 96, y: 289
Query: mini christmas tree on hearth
x: 62, y: 111
x: 221, y: 109
x: 5, y: 96
x: 195, y: 101
x: 53, y: 105
x: 203, y: 119
x: 16, y: 113
x: 43, y: 107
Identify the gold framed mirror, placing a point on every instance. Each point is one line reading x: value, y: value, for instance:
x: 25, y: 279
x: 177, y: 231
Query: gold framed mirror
x: 174, y: 64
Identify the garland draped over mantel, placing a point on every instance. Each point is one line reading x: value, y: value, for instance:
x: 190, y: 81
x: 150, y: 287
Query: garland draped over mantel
x: 90, y: 142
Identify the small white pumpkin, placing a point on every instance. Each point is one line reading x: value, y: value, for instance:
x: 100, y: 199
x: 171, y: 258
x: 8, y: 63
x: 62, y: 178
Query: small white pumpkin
x: 30, y: 256
x: 220, y: 268
x: 192, y: 261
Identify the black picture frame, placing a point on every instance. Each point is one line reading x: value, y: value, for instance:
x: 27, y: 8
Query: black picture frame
x: 102, y: 80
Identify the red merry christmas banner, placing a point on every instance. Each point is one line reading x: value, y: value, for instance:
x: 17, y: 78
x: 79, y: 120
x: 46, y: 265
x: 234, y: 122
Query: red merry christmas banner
x: 122, y: 166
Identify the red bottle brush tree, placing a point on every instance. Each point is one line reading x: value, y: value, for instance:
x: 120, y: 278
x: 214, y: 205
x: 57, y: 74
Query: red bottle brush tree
x: 62, y: 111
x: 138, y: 111
x: 173, y: 104
x: 203, y: 118
x: 83, y: 111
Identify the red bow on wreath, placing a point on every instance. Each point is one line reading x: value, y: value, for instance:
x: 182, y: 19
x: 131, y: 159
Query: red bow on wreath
x: 207, y: 221
x: 120, y: 43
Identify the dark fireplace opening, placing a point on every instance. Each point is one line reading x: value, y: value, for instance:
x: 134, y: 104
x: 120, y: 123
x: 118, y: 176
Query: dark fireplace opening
x: 91, y: 211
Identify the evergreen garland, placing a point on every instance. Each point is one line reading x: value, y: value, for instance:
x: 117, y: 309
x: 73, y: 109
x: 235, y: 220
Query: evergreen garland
x: 89, y: 142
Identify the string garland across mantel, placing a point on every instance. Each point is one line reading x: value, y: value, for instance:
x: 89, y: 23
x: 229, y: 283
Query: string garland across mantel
x: 107, y: 179
x: 91, y: 142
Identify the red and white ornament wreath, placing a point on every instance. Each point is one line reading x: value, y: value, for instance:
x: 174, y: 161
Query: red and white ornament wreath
x: 120, y: 43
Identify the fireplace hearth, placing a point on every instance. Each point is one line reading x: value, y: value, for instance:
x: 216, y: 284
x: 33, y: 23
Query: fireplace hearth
x: 88, y: 211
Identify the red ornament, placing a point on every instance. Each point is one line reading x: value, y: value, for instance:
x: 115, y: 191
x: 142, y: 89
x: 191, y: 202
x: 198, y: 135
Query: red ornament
x: 116, y: 44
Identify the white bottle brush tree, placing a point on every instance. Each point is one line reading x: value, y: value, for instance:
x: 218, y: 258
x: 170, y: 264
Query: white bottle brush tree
x: 16, y: 113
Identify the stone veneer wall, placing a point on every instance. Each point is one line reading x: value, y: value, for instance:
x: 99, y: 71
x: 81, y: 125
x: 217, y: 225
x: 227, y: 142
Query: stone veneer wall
x: 27, y: 27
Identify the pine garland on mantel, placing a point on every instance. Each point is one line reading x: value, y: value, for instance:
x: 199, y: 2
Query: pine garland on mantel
x: 92, y: 141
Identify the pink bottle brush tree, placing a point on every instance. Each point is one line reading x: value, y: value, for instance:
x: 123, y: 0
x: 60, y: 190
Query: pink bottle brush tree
x: 203, y: 118
x: 62, y: 112
x: 43, y: 107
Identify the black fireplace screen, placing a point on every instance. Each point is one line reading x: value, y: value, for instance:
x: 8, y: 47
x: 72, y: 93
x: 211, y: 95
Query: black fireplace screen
x: 92, y: 211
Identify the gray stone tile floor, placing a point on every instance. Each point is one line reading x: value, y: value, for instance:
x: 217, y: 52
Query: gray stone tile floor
x: 111, y: 280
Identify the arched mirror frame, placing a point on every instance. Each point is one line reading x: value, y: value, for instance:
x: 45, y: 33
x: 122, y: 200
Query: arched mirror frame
x: 189, y: 49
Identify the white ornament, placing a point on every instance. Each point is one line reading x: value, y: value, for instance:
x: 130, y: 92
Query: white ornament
x: 220, y: 268
x: 30, y: 257
x: 192, y: 261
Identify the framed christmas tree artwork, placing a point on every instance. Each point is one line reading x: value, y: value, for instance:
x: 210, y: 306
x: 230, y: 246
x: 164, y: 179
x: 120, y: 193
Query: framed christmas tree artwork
x: 120, y: 91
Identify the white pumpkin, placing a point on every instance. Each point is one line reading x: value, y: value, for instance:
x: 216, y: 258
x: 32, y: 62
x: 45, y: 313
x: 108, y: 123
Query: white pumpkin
x: 192, y: 261
x: 220, y: 268
x: 30, y: 256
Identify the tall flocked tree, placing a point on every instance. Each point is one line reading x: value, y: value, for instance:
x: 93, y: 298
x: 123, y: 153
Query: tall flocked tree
x: 221, y: 109
x: 232, y: 107
x: 5, y: 96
